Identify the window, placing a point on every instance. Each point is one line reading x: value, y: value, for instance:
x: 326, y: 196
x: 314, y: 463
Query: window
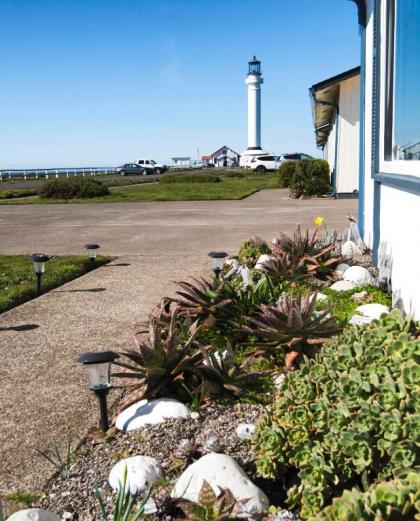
x: 400, y: 87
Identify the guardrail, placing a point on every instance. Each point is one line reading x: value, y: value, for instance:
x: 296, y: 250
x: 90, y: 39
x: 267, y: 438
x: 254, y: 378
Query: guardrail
x: 48, y: 173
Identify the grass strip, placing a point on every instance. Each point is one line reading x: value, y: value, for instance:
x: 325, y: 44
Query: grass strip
x: 18, y: 282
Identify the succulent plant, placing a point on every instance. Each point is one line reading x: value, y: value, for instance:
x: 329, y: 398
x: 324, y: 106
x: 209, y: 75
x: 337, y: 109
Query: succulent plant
x: 398, y: 499
x: 348, y: 417
x: 292, y: 325
x: 161, y: 362
x: 220, y: 375
x: 203, y: 300
x: 210, y: 507
x: 323, y: 264
x: 296, y: 247
x: 282, y: 268
x: 252, y: 249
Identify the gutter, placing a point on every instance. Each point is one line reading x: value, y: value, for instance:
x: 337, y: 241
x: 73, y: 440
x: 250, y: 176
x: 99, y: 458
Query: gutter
x: 317, y: 101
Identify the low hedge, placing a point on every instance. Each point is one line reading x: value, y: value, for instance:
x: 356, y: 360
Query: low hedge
x: 310, y: 178
x: 73, y: 187
x: 190, y: 178
x: 286, y: 172
x: 348, y: 417
x: 15, y: 194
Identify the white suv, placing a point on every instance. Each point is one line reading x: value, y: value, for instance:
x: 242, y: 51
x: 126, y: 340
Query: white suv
x: 264, y: 163
x: 151, y: 166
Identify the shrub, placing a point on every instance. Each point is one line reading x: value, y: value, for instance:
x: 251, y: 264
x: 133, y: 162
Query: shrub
x: 73, y: 187
x: 387, y: 501
x: 311, y: 178
x: 251, y: 249
x: 190, y: 178
x: 15, y: 194
x: 348, y: 417
x: 286, y: 172
x: 234, y: 175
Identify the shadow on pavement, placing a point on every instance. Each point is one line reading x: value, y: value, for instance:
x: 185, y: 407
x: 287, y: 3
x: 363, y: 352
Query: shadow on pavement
x: 89, y: 290
x: 23, y: 327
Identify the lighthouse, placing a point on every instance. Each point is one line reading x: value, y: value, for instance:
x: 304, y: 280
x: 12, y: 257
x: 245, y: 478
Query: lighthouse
x: 253, y: 80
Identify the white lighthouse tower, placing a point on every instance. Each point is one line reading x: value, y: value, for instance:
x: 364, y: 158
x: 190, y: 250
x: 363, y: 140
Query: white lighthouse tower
x: 253, y: 80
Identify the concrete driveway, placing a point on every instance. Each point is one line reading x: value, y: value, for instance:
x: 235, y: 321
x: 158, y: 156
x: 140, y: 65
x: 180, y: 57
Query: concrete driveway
x: 152, y: 229
x: 43, y: 392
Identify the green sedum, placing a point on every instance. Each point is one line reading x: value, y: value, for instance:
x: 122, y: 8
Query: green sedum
x: 396, y: 500
x: 348, y: 417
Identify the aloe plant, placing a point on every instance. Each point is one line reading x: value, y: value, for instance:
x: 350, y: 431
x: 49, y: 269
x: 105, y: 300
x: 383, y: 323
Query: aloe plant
x: 219, y: 374
x: 203, y: 300
x: 299, y: 246
x: 292, y: 324
x: 210, y: 507
x: 61, y: 462
x: 160, y: 362
x: 282, y: 268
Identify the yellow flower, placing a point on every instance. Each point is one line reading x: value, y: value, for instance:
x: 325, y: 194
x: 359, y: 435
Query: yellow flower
x: 319, y: 221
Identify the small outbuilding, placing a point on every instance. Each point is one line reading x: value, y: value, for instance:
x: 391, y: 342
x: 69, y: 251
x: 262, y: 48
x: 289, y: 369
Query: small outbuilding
x: 225, y: 157
x: 336, y: 116
x: 181, y: 162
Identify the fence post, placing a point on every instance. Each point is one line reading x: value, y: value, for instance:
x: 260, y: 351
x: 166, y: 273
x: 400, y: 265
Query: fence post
x: 56, y: 174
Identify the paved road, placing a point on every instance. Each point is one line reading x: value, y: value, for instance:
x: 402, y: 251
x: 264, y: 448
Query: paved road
x: 43, y: 392
x: 151, y: 229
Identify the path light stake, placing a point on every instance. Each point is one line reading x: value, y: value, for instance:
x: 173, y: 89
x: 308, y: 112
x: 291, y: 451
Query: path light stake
x: 39, y: 260
x: 218, y: 259
x: 98, y: 366
x: 91, y: 252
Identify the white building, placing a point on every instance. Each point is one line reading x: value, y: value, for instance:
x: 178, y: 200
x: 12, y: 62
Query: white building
x: 254, y: 80
x: 389, y: 168
x: 224, y: 157
x: 336, y: 116
x: 181, y: 162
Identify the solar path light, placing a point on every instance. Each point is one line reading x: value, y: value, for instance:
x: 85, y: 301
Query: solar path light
x: 91, y: 252
x: 218, y: 259
x: 39, y: 260
x: 98, y: 365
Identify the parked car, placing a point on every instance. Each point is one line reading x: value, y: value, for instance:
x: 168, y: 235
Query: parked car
x: 151, y: 166
x: 131, y: 168
x: 297, y: 156
x: 263, y: 164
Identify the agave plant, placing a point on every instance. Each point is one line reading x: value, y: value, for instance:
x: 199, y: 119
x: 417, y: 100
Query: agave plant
x: 210, y: 507
x: 293, y: 325
x: 161, y: 361
x: 219, y: 375
x: 323, y: 264
x: 203, y: 300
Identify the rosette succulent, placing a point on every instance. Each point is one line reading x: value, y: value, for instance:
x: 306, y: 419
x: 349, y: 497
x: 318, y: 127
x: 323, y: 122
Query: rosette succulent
x: 348, y: 417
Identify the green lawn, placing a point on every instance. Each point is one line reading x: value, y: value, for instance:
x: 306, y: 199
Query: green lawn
x: 227, y: 189
x: 18, y: 282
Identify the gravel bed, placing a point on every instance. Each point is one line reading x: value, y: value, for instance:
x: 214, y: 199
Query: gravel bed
x: 75, y: 498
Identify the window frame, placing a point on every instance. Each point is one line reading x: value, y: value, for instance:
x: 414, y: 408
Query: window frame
x: 403, y: 174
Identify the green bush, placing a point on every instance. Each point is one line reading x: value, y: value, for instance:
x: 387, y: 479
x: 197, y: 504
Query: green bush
x: 286, y: 172
x: 251, y: 249
x: 397, y: 500
x: 348, y: 417
x: 73, y: 187
x: 190, y: 178
x: 15, y: 194
x: 310, y: 178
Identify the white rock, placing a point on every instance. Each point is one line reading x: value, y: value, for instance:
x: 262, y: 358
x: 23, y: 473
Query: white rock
x: 195, y: 415
x: 262, y: 259
x: 221, y: 472
x: 279, y: 380
x: 342, y: 285
x: 358, y: 320
x: 320, y: 297
x: 358, y: 275
x: 245, y: 431
x: 33, y: 514
x: 350, y: 250
x: 67, y: 516
x: 372, y: 311
x: 147, y: 412
x: 340, y: 269
x: 142, y: 472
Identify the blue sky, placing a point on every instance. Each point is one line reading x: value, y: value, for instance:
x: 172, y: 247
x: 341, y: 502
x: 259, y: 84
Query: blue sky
x: 101, y: 82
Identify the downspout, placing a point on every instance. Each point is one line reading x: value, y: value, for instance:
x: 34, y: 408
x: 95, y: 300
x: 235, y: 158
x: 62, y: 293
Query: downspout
x: 337, y: 109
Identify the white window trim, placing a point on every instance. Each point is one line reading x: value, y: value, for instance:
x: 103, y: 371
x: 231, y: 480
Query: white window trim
x: 392, y: 166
